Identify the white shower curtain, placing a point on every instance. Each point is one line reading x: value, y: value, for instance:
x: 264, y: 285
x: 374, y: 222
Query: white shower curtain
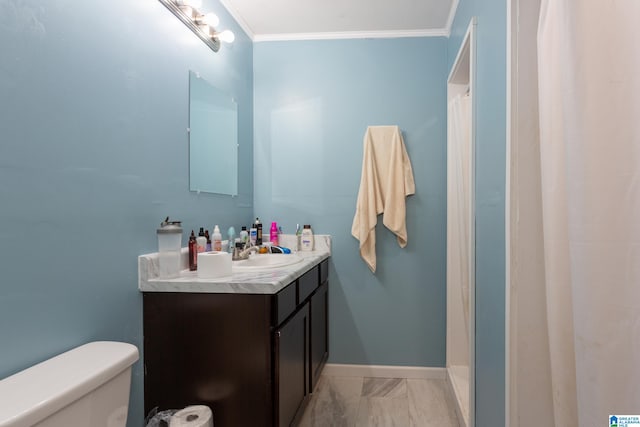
x: 589, y: 94
x: 458, y: 216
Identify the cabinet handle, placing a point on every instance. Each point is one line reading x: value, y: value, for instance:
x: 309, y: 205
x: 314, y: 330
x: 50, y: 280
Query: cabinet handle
x: 278, y: 334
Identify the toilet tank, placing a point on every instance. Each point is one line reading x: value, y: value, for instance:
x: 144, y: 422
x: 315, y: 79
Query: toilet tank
x: 87, y: 386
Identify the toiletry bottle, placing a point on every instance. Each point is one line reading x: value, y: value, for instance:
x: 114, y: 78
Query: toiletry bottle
x: 231, y: 233
x: 244, y: 235
x: 298, y: 236
x: 208, y: 247
x: 253, y: 236
x: 217, y: 239
x: 306, y: 240
x: 201, y: 240
x: 169, y: 247
x: 273, y: 234
x: 193, y: 252
x: 258, y: 225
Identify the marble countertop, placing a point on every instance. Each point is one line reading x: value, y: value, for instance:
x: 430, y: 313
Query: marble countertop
x: 264, y: 281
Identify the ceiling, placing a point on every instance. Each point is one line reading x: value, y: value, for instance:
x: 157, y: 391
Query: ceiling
x: 264, y: 20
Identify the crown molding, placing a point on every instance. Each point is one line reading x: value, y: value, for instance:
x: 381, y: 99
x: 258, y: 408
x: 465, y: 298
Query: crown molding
x: 350, y: 35
x: 337, y: 35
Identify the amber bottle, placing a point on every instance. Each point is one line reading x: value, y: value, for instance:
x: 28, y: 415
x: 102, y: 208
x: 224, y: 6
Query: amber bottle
x: 193, y: 252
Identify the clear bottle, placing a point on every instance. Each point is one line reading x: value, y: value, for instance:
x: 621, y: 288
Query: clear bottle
x: 273, y: 234
x: 193, y: 252
x: 201, y: 240
x: 217, y: 239
x: 306, y: 239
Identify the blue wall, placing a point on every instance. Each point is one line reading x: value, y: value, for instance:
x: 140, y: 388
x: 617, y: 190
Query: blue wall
x: 94, y: 153
x: 490, y: 96
x: 313, y: 102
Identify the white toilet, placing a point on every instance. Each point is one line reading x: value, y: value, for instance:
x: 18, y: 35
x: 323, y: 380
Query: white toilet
x: 84, y: 387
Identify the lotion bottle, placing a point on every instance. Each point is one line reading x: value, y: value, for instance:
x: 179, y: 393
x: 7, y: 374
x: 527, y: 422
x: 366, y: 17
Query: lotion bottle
x: 306, y: 240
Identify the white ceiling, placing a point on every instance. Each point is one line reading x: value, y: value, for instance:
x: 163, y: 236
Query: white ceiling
x: 327, y: 19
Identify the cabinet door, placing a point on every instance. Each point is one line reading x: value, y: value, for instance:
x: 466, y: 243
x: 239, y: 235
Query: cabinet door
x: 319, y: 332
x: 210, y: 349
x: 291, y: 345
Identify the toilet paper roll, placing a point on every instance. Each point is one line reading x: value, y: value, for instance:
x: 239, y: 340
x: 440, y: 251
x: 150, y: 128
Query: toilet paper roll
x: 212, y: 265
x: 192, y: 416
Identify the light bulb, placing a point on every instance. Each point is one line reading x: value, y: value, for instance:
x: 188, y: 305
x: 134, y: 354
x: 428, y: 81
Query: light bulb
x: 226, y: 36
x: 211, y: 19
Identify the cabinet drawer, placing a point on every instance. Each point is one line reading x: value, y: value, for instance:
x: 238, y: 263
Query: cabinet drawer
x: 307, y: 283
x: 285, y: 303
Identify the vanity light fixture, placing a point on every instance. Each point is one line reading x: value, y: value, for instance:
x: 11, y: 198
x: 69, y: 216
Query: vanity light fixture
x: 202, y: 24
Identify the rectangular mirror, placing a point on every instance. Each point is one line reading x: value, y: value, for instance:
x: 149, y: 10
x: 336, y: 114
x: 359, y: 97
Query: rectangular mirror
x: 213, y: 138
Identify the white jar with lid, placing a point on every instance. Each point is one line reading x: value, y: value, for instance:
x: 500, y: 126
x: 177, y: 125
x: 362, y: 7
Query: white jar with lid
x: 306, y: 239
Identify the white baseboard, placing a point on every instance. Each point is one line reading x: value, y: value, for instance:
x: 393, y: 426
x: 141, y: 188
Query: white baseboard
x: 384, y: 371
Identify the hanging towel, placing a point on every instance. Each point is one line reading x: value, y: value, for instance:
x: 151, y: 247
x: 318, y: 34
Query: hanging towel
x: 387, y: 178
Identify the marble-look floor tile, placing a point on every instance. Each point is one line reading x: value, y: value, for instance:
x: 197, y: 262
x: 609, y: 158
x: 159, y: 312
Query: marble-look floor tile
x: 384, y: 387
x: 430, y: 404
x: 383, y: 412
x: 334, y: 402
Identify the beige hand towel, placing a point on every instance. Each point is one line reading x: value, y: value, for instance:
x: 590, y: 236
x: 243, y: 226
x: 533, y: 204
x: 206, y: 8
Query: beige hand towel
x: 387, y: 178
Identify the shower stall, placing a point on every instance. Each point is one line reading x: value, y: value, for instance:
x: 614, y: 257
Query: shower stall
x: 460, y: 228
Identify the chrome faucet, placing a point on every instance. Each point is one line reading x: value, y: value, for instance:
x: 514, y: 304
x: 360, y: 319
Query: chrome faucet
x: 239, y: 254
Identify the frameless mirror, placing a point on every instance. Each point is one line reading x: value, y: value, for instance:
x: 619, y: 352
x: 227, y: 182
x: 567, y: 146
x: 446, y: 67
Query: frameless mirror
x: 213, y: 138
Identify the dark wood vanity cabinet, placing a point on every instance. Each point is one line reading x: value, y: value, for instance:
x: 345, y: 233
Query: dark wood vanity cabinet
x: 253, y: 359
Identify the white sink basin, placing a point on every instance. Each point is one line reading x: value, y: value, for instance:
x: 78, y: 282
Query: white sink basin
x: 265, y: 262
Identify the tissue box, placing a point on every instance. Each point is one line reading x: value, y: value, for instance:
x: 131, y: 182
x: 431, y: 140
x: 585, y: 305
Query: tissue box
x: 212, y: 265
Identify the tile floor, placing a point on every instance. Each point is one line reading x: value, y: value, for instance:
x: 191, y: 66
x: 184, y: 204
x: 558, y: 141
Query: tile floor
x: 379, y: 402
